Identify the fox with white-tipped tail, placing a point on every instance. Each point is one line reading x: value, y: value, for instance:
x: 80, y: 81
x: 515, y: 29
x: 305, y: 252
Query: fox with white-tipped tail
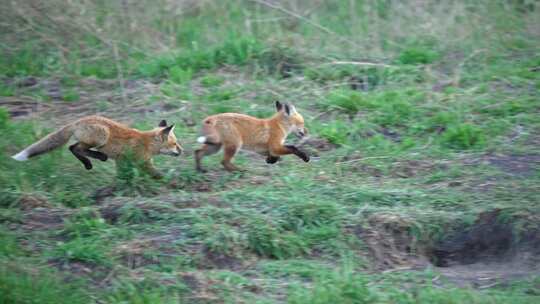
x: 102, y: 138
x: 234, y: 131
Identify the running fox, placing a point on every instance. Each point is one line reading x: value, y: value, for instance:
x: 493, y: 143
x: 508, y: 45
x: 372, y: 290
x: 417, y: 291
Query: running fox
x: 236, y: 131
x: 111, y: 140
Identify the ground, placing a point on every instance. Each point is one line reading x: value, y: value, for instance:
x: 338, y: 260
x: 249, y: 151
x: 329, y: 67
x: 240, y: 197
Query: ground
x: 423, y: 183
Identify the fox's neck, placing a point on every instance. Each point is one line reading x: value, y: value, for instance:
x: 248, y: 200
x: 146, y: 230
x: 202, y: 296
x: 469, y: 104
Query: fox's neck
x: 277, y: 120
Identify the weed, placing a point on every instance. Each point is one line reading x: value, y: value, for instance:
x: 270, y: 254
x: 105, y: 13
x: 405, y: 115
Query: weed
x: 85, y: 223
x: 268, y: 240
x: 418, y: 55
x: 88, y: 250
x: 180, y: 75
x: 19, y: 285
x: 210, y: 80
x: 347, y: 100
x: 463, y: 136
x: 338, y: 287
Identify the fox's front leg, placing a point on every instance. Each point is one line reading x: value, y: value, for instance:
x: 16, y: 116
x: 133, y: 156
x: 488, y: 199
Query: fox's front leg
x: 148, y: 167
x: 287, y: 149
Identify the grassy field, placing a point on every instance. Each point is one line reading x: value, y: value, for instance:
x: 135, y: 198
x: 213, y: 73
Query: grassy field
x: 423, y: 184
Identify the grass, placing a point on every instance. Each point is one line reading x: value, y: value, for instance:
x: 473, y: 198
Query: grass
x: 421, y: 123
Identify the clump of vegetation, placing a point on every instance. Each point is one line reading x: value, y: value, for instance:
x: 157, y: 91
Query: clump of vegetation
x: 20, y: 285
x: 269, y: 240
x: 348, y: 101
x: 463, y: 136
x: 418, y: 55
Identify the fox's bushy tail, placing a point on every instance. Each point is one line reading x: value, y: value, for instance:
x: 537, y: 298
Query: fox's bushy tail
x: 209, y: 134
x: 46, y: 144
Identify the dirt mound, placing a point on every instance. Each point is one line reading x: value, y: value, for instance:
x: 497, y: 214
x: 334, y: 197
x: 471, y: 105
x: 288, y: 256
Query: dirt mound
x: 486, y: 254
x: 390, y: 242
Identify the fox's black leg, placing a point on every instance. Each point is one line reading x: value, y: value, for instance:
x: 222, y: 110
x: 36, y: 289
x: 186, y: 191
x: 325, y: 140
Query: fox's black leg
x: 96, y: 154
x: 79, y: 155
x: 301, y: 154
x: 272, y: 159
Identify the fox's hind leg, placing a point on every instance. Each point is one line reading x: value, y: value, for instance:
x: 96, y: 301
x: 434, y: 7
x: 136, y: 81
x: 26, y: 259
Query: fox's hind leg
x: 96, y: 154
x: 85, y: 150
x: 229, y: 152
x: 80, y: 155
x: 206, y: 149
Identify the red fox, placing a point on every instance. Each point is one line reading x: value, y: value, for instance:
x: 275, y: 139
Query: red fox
x: 236, y: 131
x: 111, y: 140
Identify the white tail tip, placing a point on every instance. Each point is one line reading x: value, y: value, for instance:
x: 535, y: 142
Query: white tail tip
x: 21, y: 156
x: 201, y: 139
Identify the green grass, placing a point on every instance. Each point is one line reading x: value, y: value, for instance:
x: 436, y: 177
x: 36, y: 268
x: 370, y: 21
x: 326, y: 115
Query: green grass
x: 422, y: 118
x: 20, y: 285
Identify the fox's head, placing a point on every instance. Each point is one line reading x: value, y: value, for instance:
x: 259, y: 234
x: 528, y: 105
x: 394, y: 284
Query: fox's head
x: 292, y: 119
x: 166, y: 140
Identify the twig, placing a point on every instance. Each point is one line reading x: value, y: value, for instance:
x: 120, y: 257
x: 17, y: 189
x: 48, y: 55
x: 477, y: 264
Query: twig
x: 430, y: 139
x: 361, y: 159
x: 457, y: 74
x: 120, y: 71
x: 488, y: 285
x: 397, y: 269
x: 360, y: 63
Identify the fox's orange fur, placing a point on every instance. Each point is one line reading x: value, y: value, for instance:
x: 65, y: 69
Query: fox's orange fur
x: 234, y: 131
x: 102, y: 138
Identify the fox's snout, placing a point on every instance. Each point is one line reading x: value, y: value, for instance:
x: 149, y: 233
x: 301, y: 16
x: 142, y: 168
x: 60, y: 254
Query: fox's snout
x: 301, y: 132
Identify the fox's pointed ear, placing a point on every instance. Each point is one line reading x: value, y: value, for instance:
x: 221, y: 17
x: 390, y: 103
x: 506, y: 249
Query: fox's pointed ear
x: 162, y: 123
x: 279, y: 106
x: 292, y: 109
x: 165, y: 132
x: 287, y: 110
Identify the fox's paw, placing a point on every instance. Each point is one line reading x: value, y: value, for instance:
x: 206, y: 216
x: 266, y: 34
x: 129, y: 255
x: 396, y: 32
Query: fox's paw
x: 103, y: 157
x: 305, y: 157
x: 272, y: 159
x: 88, y: 165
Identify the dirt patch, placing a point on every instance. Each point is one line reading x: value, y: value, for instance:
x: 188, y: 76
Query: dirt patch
x: 202, y: 288
x: 212, y: 259
x: 315, y: 146
x: 133, y: 211
x: 390, y: 242
x: 29, y: 202
x: 517, y: 165
x: 391, y: 135
x: 45, y: 218
x: 147, y: 250
x: 86, y: 97
x: 520, y: 165
x: 412, y: 168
